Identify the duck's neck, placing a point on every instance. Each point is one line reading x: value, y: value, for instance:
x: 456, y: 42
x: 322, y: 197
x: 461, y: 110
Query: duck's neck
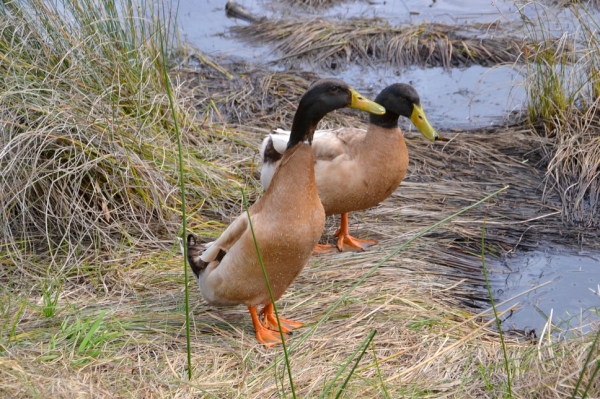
x: 301, y: 130
x: 389, y: 120
x: 304, y: 126
x: 382, y: 141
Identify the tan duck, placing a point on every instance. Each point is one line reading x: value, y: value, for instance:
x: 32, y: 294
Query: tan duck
x: 357, y: 169
x: 288, y: 221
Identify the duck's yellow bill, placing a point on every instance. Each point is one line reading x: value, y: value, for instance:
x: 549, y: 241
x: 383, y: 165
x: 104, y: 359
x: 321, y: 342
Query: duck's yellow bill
x: 419, y: 119
x: 364, y: 104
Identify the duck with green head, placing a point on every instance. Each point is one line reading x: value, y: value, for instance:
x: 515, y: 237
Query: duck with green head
x: 288, y: 221
x: 356, y: 169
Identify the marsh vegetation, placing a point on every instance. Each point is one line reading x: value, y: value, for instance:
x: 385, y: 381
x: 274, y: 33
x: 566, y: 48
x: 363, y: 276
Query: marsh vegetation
x: 91, y: 278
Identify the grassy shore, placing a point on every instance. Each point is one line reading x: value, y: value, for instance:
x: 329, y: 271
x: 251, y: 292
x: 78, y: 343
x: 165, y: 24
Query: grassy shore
x: 91, y: 279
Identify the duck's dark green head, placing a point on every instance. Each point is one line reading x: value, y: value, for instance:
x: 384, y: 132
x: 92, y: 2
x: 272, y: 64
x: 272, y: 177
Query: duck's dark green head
x: 322, y: 97
x: 401, y: 99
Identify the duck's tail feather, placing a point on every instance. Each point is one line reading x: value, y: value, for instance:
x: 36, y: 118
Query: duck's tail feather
x: 194, y: 250
x: 271, y: 151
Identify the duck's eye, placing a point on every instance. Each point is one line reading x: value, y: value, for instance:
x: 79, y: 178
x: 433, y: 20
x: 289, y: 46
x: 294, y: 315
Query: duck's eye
x: 334, y: 89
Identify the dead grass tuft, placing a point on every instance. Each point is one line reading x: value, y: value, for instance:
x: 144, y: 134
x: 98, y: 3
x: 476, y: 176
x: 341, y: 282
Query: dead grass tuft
x: 563, y: 108
x: 573, y: 171
x: 87, y: 151
x: 371, y: 41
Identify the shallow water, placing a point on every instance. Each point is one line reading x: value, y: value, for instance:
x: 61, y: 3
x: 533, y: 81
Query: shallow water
x: 204, y: 24
x: 569, y: 289
x: 463, y: 98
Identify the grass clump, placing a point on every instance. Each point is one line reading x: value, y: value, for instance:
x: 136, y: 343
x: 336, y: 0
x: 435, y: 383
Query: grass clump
x: 88, y: 153
x: 563, y: 88
x: 50, y: 295
x: 372, y: 41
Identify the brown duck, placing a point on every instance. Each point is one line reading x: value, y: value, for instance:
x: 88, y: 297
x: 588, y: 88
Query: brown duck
x: 357, y: 169
x: 288, y: 221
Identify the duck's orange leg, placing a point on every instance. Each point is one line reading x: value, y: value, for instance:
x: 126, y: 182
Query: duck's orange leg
x: 345, y: 238
x: 270, y: 320
x: 265, y: 336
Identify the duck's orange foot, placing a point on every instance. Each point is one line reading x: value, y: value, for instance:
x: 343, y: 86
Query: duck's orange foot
x: 268, y: 337
x: 322, y: 249
x: 270, y: 320
x: 347, y: 239
x: 264, y: 335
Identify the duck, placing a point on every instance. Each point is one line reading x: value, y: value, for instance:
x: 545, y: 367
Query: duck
x: 287, y: 221
x: 356, y: 169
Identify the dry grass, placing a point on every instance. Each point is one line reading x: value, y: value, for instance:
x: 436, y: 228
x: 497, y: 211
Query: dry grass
x: 248, y: 96
x: 426, y: 345
x: 567, y: 3
x: 117, y: 329
x: 431, y: 341
x: 574, y: 168
x: 87, y: 151
x: 564, y: 91
x: 372, y: 41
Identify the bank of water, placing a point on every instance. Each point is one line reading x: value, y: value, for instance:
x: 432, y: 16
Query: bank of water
x: 460, y: 98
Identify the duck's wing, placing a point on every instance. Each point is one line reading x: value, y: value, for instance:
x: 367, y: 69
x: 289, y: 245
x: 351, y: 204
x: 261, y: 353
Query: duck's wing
x: 327, y: 145
x: 330, y: 144
x: 279, y: 138
x: 229, y: 237
x: 200, y: 255
x: 194, y: 253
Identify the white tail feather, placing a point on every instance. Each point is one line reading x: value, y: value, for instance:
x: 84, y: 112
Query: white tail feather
x: 280, y: 138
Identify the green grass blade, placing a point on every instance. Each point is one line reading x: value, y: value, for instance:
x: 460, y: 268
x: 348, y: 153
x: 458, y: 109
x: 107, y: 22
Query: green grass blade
x: 385, y: 391
x: 587, y: 360
x: 50, y: 298
x: 367, y: 340
x: 364, y: 345
x: 262, y: 265
x: 499, y: 326
x: 17, y: 317
x: 84, y: 344
x: 182, y: 193
x: 592, y: 379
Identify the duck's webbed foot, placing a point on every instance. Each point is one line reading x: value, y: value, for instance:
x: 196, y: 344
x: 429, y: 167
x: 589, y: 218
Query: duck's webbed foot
x: 270, y: 320
x: 345, y: 238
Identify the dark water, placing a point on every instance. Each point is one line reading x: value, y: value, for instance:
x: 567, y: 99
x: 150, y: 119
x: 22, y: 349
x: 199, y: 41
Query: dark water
x: 569, y: 289
x: 466, y: 98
